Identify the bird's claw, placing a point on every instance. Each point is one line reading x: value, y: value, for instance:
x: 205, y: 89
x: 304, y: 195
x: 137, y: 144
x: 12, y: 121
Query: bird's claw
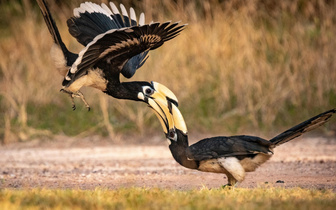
x: 80, y: 95
x: 76, y: 94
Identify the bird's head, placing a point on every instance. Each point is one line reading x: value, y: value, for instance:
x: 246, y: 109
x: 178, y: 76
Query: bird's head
x: 173, y: 125
x: 154, y: 90
x: 157, y: 96
x: 164, y: 103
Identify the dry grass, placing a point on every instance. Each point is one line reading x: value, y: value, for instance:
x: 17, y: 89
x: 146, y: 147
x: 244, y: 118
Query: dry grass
x: 142, y: 198
x: 239, y: 66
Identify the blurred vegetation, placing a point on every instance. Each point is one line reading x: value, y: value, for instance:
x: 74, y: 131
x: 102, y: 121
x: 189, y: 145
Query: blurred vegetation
x: 143, y: 198
x: 240, y: 66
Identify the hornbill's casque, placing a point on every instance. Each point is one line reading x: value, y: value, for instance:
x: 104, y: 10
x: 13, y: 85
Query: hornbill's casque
x: 231, y: 155
x: 114, y: 44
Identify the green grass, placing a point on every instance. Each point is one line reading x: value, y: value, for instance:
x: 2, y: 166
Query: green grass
x: 143, y: 198
x: 56, y: 118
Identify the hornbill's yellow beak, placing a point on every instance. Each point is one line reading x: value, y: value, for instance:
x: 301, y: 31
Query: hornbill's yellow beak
x: 158, y: 101
x: 164, y: 102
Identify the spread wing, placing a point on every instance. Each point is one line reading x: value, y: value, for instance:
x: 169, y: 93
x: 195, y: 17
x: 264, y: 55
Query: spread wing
x: 91, y: 20
x: 217, y: 147
x: 115, y: 47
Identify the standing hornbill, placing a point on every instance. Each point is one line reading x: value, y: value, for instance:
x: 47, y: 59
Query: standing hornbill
x: 115, y: 43
x: 231, y: 155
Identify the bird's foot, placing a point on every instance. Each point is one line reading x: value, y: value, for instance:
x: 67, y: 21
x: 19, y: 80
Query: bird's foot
x: 77, y: 94
x: 81, y: 96
x: 227, y: 186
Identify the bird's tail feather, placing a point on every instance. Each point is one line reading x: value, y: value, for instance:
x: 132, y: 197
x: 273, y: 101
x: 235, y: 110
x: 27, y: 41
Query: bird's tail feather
x: 303, y: 127
x: 51, y: 25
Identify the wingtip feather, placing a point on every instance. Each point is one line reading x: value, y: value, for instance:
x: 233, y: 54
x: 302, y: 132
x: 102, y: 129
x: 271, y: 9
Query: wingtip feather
x: 114, y: 8
x: 132, y: 14
x: 106, y: 8
x: 142, y: 19
x: 123, y: 10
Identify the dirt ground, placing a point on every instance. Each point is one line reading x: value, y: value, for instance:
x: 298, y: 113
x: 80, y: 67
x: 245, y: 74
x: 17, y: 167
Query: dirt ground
x: 308, y: 162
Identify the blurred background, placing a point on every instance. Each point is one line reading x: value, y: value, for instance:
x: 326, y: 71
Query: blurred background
x: 240, y: 67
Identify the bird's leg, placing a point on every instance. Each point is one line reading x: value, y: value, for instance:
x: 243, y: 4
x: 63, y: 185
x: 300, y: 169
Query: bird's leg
x: 81, y: 96
x: 232, y: 182
x: 71, y: 96
x: 73, y: 102
x: 77, y: 94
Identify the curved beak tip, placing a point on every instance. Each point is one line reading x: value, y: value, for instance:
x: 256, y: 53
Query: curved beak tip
x: 166, y: 92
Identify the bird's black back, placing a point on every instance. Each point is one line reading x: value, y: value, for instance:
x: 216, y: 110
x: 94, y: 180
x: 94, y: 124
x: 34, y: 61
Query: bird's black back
x: 223, y: 146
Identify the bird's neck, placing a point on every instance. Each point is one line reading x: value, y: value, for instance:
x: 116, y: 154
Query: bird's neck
x: 122, y: 90
x: 178, y: 150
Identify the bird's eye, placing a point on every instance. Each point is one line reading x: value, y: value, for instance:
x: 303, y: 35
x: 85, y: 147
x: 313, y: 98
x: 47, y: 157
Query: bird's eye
x: 148, y: 90
x: 172, y: 135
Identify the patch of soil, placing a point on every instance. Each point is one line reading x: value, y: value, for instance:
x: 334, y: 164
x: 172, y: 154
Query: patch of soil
x: 305, y: 162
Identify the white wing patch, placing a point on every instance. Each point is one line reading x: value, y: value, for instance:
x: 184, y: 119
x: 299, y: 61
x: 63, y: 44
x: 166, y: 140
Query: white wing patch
x: 142, y: 19
x: 114, y: 8
x: 104, y: 9
x: 107, y: 9
x: 132, y: 14
x: 91, y: 8
x: 123, y: 10
x: 78, y: 10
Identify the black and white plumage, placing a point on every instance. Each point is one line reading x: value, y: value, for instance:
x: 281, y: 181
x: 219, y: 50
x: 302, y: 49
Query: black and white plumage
x: 115, y: 43
x: 232, y: 155
x: 91, y: 20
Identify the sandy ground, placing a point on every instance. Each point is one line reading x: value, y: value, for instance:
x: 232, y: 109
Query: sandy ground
x: 306, y: 162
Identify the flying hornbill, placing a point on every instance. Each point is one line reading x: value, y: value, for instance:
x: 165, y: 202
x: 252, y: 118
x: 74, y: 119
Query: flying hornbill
x: 231, y: 155
x: 114, y: 44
